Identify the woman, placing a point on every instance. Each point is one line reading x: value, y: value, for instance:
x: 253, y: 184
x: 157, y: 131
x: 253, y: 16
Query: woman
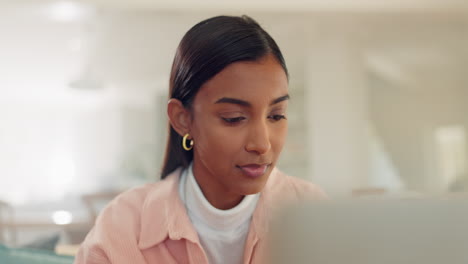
x: 227, y: 112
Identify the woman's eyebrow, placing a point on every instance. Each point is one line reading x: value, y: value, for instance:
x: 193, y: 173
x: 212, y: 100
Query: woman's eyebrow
x: 228, y: 100
x: 280, y: 99
x: 240, y: 102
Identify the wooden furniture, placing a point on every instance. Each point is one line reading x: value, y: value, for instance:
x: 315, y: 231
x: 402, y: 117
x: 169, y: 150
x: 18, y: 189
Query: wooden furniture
x: 67, y: 250
x: 6, y: 216
x: 14, y: 226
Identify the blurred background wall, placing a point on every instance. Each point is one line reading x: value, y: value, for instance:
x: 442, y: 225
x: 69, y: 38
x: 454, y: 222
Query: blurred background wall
x: 378, y: 91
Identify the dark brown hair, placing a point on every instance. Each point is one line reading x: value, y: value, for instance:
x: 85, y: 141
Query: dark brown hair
x: 205, y: 50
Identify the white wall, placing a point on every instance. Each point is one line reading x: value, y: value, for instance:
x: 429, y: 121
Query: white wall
x: 131, y: 51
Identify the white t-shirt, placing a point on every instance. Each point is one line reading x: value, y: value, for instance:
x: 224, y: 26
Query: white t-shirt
x: 222, y: 233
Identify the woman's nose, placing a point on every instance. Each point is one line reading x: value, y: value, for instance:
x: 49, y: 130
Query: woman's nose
x: 259, y: 138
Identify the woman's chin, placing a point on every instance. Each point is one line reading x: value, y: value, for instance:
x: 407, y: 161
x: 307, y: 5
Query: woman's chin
x: 253, y: 187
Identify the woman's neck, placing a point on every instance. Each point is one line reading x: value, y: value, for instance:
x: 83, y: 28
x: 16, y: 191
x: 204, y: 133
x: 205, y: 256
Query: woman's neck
x: 216, y: 194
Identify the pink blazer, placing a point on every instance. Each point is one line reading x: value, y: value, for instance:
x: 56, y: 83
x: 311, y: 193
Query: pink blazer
x: 149, y: 224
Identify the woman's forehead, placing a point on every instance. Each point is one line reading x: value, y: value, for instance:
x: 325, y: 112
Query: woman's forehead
x: 251, y: 80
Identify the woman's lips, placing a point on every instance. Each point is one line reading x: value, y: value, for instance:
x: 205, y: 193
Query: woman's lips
x: 254, y: 170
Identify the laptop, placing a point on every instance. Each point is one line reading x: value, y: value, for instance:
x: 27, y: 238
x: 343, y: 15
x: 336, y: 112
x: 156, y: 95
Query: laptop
x: 426, y: 231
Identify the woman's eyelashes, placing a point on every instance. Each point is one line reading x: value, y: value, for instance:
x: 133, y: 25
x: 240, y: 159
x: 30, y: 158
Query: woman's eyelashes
x: 233, y: 120
x: 276, y: 117
x: 239, y: 119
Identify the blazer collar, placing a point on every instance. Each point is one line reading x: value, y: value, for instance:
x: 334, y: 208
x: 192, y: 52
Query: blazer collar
x: 164, y: 215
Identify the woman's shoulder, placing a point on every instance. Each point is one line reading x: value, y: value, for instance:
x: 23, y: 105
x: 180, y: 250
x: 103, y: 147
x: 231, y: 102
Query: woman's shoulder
x: 121, y: 223
x: 130, y: 200
x: 128, y: 205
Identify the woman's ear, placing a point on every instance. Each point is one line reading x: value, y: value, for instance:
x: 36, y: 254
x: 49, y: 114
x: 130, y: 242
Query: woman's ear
x: 179, y: 116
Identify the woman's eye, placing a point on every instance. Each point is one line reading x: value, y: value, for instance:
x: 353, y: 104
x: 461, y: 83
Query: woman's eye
x: 277, y: 117
x: 233, y: 120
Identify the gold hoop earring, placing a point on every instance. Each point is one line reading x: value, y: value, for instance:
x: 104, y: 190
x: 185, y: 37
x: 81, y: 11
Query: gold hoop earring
x: 184, y: 143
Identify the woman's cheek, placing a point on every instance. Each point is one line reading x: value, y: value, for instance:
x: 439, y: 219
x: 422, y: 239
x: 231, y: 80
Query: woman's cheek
x: 279, y: 137
x: 213, y: 141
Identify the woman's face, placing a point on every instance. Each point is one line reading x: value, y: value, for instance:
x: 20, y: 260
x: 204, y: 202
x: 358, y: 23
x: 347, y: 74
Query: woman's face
x: 238, y: 124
